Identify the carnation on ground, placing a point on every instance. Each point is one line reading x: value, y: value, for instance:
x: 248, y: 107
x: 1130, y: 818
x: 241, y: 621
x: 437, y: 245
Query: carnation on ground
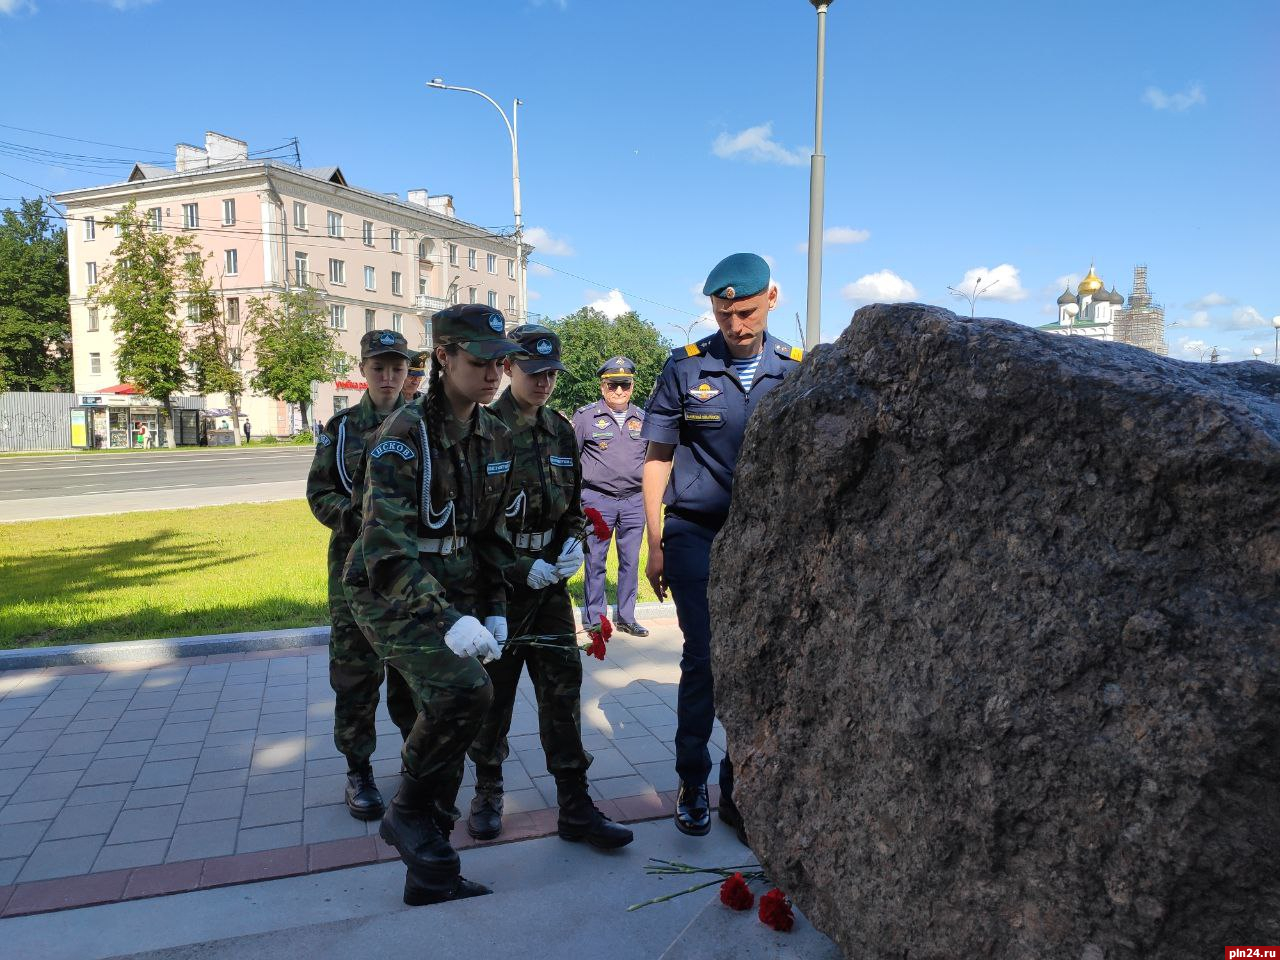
x: 735, y: 894
x: 775, y: 911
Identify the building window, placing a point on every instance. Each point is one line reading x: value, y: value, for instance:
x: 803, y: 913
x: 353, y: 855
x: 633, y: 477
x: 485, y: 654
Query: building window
x: 119, y: 229
x: 369, y: 279
x: 511, y: 269
x: 335, y: 224
x: 340, y: 365
x: 236, y: 356
x: 299, y: 215
x: 422, y: 286
x: 493, y: 299
x: 95, y: 363
x: 300, y: 269
x: 90, y: 228
x: 233, y: 311
x: 453, y: 294
x: 193, y: 314
x: 233, y: 263
x: 366, y: 232
x: 511, y: 303
x: 190, y: 215
x: 93, y: 319
x: 156, y: 216
x: 471, y: 259
x: 426, y: 333
x: 471, y: 294
x: 339, y: 403
x: 337, y: 271
x: 370, y: 320
x: 397, y: 322
x: 228, y: 212
x: 491, y: 262
x: 395, y: 240
x: 453, y: 255
x: 337, y: 316
x: 422, y: 249
x: 91, y: 272
x: 395, y: 282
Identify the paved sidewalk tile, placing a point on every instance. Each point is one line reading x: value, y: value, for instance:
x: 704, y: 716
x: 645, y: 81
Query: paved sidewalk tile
x: 115, y: 770
x: 331, y: 822
x: 263, y: 809
x: 130, y: 748
x: 121, y: 856
x: 166, y: 773
x: 85, y: 820
x: 212, y: 805
x: 61, y: 858
x: 194, y: 841
x: 155, y: 797
x: 269, y: 838
x: 30, y: 812
x: 46, y: 786
x: 152, y: 823
x: 19, y: 839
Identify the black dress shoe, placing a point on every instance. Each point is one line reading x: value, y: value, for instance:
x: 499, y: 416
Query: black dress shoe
x: 633, y: 628
x: 363, y: 799
x: 732, y: 816
x: 693, y: 810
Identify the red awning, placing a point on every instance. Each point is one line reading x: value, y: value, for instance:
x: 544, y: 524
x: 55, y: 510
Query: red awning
x: 124, y: 389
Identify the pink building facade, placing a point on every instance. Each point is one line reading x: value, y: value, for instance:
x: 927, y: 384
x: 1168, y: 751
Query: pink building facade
x: 377, y: 261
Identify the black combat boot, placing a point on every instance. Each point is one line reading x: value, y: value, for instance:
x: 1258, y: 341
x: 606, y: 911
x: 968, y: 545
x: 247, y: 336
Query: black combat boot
x: 412, y: 826
x: 693, y: 810
x: 363, y: 798
x: 580, y: 820
x: 485, y: 820
x: 421, y: 892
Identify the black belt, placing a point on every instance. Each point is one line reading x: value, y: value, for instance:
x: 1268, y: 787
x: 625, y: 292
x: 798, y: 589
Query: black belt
x: 712, y: 521
x: 613, y: 496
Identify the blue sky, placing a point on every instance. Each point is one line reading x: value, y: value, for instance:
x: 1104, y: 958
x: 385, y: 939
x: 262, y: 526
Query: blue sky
x: 657, y: 137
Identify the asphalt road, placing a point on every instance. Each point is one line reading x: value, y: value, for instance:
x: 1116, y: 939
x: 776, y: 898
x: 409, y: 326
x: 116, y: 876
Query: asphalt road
x: 68, y: 486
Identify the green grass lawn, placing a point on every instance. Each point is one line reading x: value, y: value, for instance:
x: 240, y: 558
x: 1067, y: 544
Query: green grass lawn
x: 172, y: 573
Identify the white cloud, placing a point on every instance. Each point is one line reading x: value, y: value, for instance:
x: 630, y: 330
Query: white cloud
x: 1245, y: 318
x: 757, y: 144
x: 1000, y: 283
x: 611, y: 305
x: 1067, y: 281
x: 884, y: 286
x: 1159, y: 100
x: 547, y: 244
x: 539, y: 270
x: 14, y: 7
x: 1210, y: 300
x: 834, y: 236
x: 534, y: 295
x: 1198, y: 319
x: 1191, y: 348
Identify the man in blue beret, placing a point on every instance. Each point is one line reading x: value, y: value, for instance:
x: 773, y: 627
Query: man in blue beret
x: 612, y: 453
x: 694, y: 424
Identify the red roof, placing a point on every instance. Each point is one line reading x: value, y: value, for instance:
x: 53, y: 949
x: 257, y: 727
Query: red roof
x: 124, y: 389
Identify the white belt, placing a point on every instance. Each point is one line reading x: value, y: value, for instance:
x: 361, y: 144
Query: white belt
x: 534, y: 541
x: 445, y: 545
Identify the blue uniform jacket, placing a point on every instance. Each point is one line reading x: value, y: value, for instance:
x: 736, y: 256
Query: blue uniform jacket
x: 612, y: 457
x: 699, y: 405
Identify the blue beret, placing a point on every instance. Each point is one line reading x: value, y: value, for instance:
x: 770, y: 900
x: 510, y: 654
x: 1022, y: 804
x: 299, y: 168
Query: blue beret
x: 737, y: 275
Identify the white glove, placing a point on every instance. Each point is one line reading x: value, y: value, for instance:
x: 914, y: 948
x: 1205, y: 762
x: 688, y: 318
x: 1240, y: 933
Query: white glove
x: 468, y: 638
x: 498, y: 627
x: 542, y: 575
x: 571, y: 556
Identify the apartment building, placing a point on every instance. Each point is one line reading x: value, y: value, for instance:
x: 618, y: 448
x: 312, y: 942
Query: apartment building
x: 377, y: 261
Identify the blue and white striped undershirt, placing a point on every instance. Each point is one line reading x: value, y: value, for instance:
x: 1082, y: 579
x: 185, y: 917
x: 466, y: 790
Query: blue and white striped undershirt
x: 746, y: 370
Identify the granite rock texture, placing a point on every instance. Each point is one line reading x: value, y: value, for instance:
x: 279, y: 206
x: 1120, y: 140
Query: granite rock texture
x: 996, y: 621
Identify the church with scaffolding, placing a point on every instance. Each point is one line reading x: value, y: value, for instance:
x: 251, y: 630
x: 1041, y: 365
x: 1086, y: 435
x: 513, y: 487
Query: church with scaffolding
x: 1093, y: 311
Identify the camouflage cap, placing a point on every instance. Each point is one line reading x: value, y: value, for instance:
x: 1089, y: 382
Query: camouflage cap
x: 478, y: 329
x: 540, y: 349
x: 377, y: 342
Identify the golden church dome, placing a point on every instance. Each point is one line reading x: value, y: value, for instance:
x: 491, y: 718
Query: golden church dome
x: 1091, y: 283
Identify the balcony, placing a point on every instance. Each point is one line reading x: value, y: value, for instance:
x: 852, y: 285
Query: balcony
x: 428, y: 304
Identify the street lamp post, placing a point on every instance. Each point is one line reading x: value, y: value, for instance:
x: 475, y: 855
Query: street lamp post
x: 513, y: 131
x: 1257, y: 353
x: 972, y: 296
x: 817, y: 177
x: 1275, y: 322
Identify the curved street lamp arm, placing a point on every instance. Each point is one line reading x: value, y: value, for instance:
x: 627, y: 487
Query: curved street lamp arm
x: 480, y: 93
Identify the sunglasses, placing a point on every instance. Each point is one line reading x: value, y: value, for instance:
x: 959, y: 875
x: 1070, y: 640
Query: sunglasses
x: 619, y: 385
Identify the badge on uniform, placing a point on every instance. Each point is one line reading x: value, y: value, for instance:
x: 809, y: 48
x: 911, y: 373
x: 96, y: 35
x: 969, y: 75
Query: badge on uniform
x: 543, y: 347
x: 602, y: 422
x: 387, y: 339
x: 324, y: 440
x: 704, y: 392
x: 498, y: 466
x: 397, y: 447
x: 561, y: 461
x: 704, y: 418
x: 495, y: 323
x: 634, y: 424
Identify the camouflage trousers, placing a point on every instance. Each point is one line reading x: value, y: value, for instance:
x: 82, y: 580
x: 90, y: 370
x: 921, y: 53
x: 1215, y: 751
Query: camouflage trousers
x: 355, y: 674
x: 453, y: 693
x: 557, y: 685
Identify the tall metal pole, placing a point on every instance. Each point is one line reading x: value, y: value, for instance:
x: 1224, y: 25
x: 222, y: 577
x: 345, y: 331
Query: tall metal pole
x: 817, y: 177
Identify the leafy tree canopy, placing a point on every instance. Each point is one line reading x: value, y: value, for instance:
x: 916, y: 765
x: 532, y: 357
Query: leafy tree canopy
x: 35, y: 322
x: 294, y: 346
x: 588, y: 338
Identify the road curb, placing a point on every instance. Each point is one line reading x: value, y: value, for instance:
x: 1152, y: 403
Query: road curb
x: 177, y: 648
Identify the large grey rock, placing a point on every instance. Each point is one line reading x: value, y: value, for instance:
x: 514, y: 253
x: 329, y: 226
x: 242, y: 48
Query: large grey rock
x: 997, y: 643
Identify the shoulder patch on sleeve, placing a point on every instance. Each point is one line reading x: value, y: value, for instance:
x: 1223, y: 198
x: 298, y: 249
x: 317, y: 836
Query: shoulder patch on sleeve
x: 324, y: 440
x: 688, y: 350
x: 399, y: 448
x: 787, y: 351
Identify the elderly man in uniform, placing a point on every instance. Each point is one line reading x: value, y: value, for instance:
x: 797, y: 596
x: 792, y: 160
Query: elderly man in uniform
x: 612, y: 452
x: 694, y: 424
x: 413, y: 378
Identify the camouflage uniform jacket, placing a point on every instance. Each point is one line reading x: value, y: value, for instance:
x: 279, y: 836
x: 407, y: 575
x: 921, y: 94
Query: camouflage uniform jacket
x: 340, y: 450
x: 546, y: 483
x: 431, y: 477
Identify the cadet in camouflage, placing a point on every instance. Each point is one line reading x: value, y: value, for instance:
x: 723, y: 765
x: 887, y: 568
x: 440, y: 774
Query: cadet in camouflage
x: 546, y: 523
x: 355, y: 672
x: 429, y: 561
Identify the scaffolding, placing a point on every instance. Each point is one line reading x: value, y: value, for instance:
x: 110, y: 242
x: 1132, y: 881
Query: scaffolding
x: 1141, y: 323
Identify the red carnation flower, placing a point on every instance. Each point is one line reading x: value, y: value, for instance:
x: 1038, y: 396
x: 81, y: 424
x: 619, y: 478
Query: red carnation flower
x: 606, y: 628
x: 775, y: 911
x: 735, y: 894
x: 597, y: 646
x: 601, y: 528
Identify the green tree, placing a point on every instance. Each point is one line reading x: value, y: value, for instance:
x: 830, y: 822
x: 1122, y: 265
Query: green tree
x: 294, y: 346
x: 35, y: 322
x: 588, y: 338
x: 139, y: 285
x: 215, y: 343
